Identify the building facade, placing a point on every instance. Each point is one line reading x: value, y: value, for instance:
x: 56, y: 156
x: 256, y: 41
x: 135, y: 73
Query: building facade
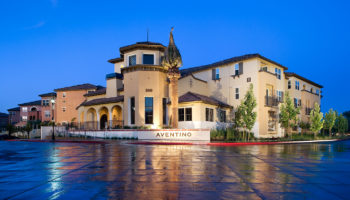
x: 14, y: 115
x: 137, y: 93
x: 30, y: 111
x: 47, y: 106
x: 68, y: 99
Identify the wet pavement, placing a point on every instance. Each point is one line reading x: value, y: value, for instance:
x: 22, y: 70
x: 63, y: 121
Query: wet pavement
x: 118, y: 170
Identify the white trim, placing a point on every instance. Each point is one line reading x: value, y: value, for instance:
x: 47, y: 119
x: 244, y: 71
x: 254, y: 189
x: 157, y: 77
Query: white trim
x: 129, y: 59
x: 185, y: 113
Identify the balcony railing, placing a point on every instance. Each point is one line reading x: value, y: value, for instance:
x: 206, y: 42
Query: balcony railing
x: 271, y: 101
x: 96, y: 125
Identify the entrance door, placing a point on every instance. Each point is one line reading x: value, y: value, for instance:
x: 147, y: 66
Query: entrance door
x: 103, y: 122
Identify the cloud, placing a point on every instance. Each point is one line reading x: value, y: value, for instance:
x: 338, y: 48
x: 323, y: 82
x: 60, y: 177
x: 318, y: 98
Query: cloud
x: 38, y: 25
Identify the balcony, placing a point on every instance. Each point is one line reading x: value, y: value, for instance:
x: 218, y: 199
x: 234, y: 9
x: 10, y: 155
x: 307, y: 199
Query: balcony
x: 271, y: 101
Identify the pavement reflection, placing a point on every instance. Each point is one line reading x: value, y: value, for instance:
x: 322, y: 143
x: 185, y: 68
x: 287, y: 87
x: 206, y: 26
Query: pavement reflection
x: 119, y: 170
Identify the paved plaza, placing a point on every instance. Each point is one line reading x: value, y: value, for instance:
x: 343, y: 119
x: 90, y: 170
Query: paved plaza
x: 119, y: 170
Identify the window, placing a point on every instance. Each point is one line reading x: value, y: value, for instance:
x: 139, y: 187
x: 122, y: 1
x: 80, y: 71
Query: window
x: 132, y: 110
x: 312, y: 90
x: 289, y: 84
x: 264, y: 68
x: 317, y: 91
x: 185, y: 114
x: 236, y: 69
x: 63, y: 94
x: 164, y: 111
x: 279, y: 96
x: 299, y: 102
x: 249, y: 79
x: 278, y: 73
x: 132, y: 60
x: 295, y: 102
x: 237, y: 93
x: 64, y: 109
x: 222, y: 115
x: 297, y: 85
x: 217, y: 73
x: 148, y: 59
x: 46, y: 102
x: 24, y: 109
x: 209, y: 114
x: 188, y: 113
x: 24, y: 118
x: 47, y: 113
x: 181, y: 112
x: 148, y: 110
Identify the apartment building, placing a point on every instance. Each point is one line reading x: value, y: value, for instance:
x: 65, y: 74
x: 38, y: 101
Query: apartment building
x: 138, y: 92
x: 229, y: 80
x: 68, y: 99
x: 14, y: 115
x: 30, y: 111
x: 47, y: 106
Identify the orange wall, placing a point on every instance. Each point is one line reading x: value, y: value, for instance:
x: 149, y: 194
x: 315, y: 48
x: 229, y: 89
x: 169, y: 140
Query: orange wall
x: 71, y: 101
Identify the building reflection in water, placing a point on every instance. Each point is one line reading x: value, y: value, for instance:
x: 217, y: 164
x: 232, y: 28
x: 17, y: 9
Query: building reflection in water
x: 135, y: 171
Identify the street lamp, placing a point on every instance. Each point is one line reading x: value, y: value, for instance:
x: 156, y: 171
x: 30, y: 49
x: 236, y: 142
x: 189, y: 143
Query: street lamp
x: 53, y: 119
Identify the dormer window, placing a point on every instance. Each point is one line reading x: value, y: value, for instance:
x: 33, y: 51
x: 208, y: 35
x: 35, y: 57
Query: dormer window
x: 132, y: 60
x: 148, y: 59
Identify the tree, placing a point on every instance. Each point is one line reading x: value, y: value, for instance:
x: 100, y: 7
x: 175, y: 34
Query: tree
x: 288, y: 114
x: 347, y: 116
x: 304, y: 126
x: 10, y: 128
x: 316, y: 118
x: 28, y: 128
x: 245, y: 115
x: 341, y: 124
x: 329, y: 120
x: 238, y: 120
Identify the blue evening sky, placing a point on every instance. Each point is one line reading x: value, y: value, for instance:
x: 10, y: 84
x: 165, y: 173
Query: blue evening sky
x: 47, y: 44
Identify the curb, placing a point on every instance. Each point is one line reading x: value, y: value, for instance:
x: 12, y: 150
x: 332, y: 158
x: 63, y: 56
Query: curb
x: 233, y: 143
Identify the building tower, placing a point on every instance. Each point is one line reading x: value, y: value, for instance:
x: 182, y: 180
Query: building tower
x: 172, y: 60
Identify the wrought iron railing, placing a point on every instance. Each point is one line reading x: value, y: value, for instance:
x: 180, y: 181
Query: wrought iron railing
x: 96, y: 125
x: 271, y: 101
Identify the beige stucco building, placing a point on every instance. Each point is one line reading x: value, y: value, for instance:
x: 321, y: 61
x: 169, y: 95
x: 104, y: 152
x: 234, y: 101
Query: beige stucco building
x: 137, y: 93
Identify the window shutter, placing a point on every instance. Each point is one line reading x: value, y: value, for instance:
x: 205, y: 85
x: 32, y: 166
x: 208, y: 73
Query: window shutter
x: 240, y: 68
x: 282, y: 96
x: 213, y: 74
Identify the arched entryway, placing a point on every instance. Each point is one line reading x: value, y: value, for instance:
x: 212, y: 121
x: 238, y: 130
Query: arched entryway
x: 91, y: 119
x: 117, y: 116
x: 103, y: 112
x: 103, y: 122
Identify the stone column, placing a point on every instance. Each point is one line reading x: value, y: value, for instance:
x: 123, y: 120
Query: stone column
x: 98, y: 120
x: 110, y: 123
x: 174, y: 98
